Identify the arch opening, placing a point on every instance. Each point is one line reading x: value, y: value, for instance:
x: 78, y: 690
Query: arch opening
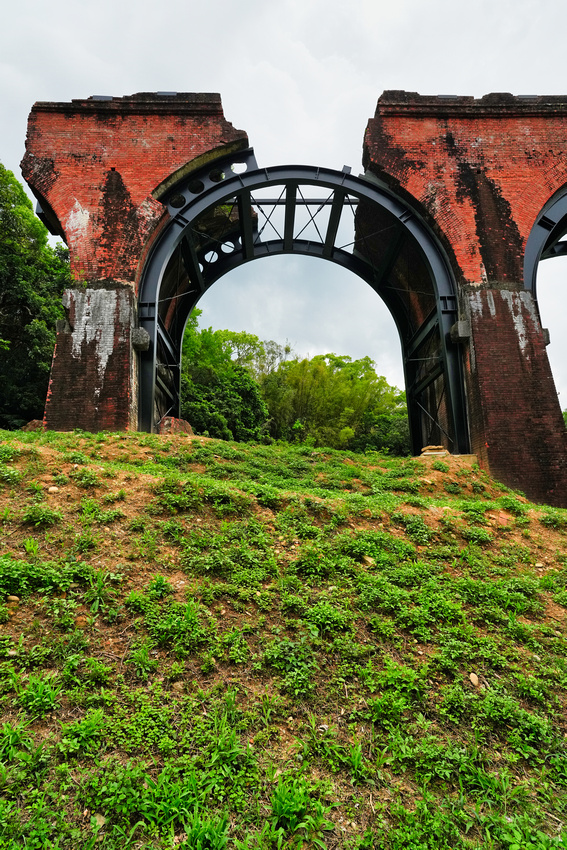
x: 309, y: 309
x: 315, y: 308
x: 551, y: 283
x: 545, y: 277
x: 226, y: 219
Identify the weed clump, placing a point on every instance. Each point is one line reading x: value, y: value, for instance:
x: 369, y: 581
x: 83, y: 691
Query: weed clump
x: 41, y: 516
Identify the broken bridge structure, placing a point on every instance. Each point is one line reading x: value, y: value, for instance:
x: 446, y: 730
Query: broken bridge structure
x: 158, y: 196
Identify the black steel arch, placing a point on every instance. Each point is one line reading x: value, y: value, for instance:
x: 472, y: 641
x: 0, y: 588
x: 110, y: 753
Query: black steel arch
x: 221, y: 218
x: 546, y: 238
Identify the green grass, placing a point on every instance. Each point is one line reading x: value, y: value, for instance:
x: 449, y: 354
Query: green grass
x: 214, y: 645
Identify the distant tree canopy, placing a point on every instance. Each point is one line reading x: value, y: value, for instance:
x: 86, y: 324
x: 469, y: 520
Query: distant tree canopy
x: 235, y: 385
x: 32, y: 279
x: 219, y: 396
x: 333, y: 401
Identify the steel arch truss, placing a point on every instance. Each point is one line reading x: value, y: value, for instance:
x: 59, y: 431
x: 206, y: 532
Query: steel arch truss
x: 233, y: 212
x: 546, y: 239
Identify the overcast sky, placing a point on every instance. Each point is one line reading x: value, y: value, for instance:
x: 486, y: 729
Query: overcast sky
x: 302, y: 77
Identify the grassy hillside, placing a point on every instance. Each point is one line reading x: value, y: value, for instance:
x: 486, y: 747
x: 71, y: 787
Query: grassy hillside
x: 209, y: 645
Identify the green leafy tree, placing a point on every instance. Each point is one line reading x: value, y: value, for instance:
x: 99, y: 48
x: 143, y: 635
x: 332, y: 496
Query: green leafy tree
x: 32, y: 279
x: 336, y: 401
x: 384, y: 432
x: 218, y: 395
x: 232, y: 382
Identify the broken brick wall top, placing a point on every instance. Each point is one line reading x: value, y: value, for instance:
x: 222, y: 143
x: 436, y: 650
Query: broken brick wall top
x: 93, y: 164
x: 481, y: 169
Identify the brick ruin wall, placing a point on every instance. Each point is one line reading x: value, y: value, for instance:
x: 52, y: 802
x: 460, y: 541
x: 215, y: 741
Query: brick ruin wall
x: 96, y: 167
x: 480, y: 172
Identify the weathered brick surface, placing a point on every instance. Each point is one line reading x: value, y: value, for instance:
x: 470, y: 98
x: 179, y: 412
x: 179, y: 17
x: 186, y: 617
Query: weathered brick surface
x: 91, y: 376
x: 481, y: 171
x: 95, y: 165
x: 516, y: 423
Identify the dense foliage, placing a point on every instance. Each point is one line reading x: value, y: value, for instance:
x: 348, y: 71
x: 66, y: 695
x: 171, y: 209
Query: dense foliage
x: 219, y: 397
x: 335, y: 401
x: 32, y: 278
x: 235, y: 384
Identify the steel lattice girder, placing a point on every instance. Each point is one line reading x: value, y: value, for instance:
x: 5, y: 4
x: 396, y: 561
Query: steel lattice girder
x: 217, y: 187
